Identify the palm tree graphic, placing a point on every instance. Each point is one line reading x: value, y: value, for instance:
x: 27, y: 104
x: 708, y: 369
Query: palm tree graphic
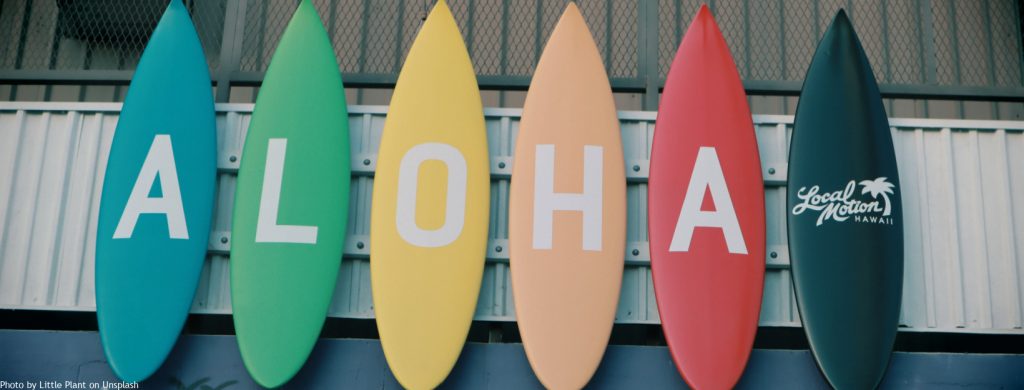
x: 879, y: 186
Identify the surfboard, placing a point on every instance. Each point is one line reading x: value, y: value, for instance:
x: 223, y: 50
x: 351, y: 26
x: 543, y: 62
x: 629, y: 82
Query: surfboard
x: 431, y: 205
x: 291, y: 204
x: 844, y: 214
x: 157, y: 201
x: 706, y: 216
x: 567, y: 210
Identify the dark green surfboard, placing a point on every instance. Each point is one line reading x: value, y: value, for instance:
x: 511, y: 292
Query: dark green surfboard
x: 844, y: 214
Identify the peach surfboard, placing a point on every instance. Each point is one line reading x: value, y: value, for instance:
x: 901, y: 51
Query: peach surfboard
x: 567, y: 215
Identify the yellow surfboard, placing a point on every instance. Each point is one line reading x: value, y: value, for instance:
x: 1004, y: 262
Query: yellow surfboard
x: 567, y: 213
x: 431, y: 200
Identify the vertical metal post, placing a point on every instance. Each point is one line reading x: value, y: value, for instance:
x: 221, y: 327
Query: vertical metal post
x: 920, y: 44
x: 817, y: 19
x: 782, y: 44
x: 503, y: 64
x: 363, y: 31
x: 503, y: 59
x: 955, y: 34
x: 641, y: 49
x: 926, y: 57
x: 988, y: 39
x: 331, y: 25
x: 956, y: 51
x: 51, y: 62
x: 230, y: 47
x: 746, y: 41
x: 364, y: 20
x: 649, y: 57
x: 538, y: 26
x: 928, y: 42
x: 1020, y: 40
x: 608, y: 36
x: 332, y: 20
x: 470, y: 8
x: 885, y: 41
x: 678, y: 24
x: 26, y: 17
x: 399, y: 32
x: 261, y: 34
x: 986, y: 6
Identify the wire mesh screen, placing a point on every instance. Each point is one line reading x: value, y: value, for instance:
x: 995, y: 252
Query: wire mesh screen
x: 909, y: 42
x: 971, y: 43
x: 93, y: 34
x: 504, y: 38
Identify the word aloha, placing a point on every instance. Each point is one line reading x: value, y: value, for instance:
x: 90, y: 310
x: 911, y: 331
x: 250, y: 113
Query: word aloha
x: 707, y: 178
x: 839, y: 206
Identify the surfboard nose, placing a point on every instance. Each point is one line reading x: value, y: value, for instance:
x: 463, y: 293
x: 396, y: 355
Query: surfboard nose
x: 840, y: 42
x: 704, y: 16
x: 841, y: 16
x: 571, y: 21
x: 705, y: 29
x: 841, y: 29
x: 705, y: 36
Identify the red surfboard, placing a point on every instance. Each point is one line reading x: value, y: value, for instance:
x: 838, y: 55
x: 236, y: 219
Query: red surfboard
x: 706, y: 212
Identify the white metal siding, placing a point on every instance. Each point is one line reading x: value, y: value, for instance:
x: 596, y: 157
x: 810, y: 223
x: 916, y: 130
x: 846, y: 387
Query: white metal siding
x: 963, y: 193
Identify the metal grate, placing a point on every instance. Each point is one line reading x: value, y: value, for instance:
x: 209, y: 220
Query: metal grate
x: 936, y: 43
x: 971, y: 43
x: 93, y: 34
x: 504, y: 38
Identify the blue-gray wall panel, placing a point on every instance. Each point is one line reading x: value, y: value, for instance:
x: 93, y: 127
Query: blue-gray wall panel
x: 359, y: 364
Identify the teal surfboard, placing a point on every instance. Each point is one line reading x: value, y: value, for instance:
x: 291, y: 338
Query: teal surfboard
x: 845, y: 217
x: 291, y: 204
x: 157, y: 202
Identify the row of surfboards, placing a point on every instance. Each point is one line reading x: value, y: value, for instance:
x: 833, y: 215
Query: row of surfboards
x: 567, y: 211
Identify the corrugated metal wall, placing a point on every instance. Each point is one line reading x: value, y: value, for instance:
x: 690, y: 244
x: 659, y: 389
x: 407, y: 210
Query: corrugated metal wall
x: 963, y: 188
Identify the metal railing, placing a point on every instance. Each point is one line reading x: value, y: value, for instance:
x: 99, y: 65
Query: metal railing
x: 945, y: 49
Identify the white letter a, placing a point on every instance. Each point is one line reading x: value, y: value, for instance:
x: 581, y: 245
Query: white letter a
x: 707, y: 173
x: 159, y: 161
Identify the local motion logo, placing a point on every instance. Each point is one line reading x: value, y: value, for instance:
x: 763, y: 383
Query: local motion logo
x: 841, y: 205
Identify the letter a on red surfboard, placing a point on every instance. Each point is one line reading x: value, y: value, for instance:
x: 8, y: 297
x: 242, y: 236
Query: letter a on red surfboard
x: 706, y: 212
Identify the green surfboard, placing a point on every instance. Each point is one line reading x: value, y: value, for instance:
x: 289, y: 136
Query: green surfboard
x: 291, y: 204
